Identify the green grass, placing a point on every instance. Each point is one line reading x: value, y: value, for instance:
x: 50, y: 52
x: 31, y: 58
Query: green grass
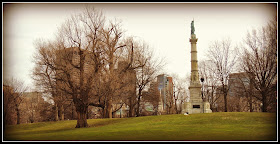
x: 211, y: 126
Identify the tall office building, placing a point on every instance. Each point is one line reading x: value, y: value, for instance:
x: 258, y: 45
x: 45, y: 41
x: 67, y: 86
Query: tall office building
x: 165, y: 86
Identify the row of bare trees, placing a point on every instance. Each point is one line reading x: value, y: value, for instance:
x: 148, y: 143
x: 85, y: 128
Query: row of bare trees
x: 91, y: 63
x: 180, y: 94
x: 13, y: 89
x: 256, y: 58
x: 20, y: 105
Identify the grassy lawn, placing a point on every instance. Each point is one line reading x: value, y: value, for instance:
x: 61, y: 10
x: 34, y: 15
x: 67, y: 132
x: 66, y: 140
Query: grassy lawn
x: 211, y: 126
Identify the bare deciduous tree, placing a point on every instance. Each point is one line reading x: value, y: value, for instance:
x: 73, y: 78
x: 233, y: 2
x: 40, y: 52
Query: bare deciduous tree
x: 259, y: 61
x: 180, y: 91
x: 223, y: 58
x: 147, y: 70
x: 74, y: 60
x: 210, y: 84
x: 83, y: 65
x: 44, y: 73
x: 13, y: 90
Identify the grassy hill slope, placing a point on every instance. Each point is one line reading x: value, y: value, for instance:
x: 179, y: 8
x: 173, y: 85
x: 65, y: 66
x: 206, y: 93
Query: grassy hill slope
x: 211, y: 126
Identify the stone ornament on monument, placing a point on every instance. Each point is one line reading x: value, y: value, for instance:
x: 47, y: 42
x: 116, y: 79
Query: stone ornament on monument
x: 195, y: 104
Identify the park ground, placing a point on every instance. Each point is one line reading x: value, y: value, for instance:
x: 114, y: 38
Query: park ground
x: 220, y: 126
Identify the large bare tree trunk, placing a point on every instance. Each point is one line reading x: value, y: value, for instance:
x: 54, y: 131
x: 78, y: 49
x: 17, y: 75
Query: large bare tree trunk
x: 108, y: 109
x: 264, y: 106
x: 82, y: 116
x: 131, y: 108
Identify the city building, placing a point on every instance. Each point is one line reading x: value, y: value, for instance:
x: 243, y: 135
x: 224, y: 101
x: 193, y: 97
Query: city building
x: 159, y: 97
x: 241, y: 93
x: 165, y: 86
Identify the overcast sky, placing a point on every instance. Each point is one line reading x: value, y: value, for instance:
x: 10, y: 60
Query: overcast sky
x: 164, y: 26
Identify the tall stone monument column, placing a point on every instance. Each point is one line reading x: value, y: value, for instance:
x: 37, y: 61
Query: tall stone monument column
x: 195, y: 104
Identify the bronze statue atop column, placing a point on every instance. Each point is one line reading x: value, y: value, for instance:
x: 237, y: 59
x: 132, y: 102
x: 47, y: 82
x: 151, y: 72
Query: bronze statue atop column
x: 192, y: 27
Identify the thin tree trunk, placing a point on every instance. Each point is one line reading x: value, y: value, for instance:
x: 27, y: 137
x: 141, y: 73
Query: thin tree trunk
x: 32, y: 117
x: 225, y: 99
x: 72, y: 110
x: 18, y: 114
x: 250, y: 96
x: 250, y: 103
x: 104, y: 112
x: 176, y: 109
x: 88, y: 113
x: 56, y: 113
x: 138, y: 103
x: 61, y: 112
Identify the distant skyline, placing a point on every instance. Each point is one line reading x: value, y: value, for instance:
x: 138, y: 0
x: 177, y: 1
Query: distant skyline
x: 164, y: 26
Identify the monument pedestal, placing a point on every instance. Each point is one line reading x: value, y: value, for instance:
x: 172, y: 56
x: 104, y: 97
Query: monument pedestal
x: 196, y: 104
x: 191, y: 108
